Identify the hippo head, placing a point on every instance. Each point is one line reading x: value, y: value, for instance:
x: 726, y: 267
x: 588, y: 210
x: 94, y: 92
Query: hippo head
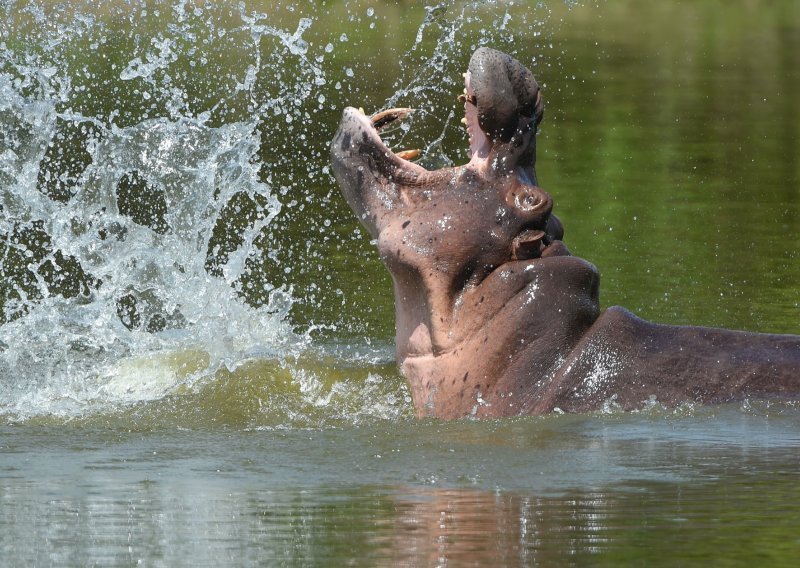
x: 465, y: 244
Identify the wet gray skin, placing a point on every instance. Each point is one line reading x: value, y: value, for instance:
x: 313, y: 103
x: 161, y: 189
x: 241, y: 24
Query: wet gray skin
x: 493, y: 315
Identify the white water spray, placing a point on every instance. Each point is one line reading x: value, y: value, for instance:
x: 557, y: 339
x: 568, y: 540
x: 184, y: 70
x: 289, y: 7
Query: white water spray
x: 143, y: 150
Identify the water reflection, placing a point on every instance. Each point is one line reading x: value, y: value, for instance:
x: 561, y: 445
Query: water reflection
x: 462, y: 526
x: 716, y: 484
x: 161, y: 522
x: 205, y: 523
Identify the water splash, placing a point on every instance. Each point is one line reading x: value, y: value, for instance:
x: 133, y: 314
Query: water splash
x: 152, y: 160
x: 117, y: 283
x: 119, y: 269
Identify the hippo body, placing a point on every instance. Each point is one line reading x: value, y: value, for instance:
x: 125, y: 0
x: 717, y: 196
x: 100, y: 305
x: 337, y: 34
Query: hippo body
x: 494, y: 317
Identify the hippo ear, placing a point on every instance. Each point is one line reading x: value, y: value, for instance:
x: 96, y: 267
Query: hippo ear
x: 529, y: 202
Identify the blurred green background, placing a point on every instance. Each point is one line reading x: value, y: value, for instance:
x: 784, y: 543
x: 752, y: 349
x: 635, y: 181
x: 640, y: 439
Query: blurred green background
x: 670, y: 144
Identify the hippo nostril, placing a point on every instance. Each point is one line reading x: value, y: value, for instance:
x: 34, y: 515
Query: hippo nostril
x: 530, y: 202
x: 526, y: 201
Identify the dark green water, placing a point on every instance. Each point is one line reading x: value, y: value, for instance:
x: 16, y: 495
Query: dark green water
x: 196, y: 337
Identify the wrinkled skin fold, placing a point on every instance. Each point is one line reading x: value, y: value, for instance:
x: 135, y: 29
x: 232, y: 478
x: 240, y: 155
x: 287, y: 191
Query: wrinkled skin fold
x: 494, y: 317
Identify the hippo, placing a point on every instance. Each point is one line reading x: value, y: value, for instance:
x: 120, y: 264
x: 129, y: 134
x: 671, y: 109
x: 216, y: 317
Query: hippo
x: 494, y: 316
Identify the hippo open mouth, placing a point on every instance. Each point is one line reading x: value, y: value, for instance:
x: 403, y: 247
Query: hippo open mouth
x: 502, y: 109
x: 529, y: 243
x: 479, y: 143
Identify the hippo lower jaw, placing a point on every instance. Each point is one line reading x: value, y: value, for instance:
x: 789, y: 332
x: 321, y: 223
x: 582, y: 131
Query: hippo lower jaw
x: 395, y: 164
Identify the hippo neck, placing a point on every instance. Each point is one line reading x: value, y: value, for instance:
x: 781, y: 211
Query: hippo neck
x: 432, y: 285
x: 500, y: 340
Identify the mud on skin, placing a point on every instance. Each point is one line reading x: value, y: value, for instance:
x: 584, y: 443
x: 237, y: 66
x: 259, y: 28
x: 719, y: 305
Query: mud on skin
x: 494, y: 317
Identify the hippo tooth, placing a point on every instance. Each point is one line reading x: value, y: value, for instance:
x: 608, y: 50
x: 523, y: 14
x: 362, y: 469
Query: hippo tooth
x: 389, y: 116
x: 463, y: 120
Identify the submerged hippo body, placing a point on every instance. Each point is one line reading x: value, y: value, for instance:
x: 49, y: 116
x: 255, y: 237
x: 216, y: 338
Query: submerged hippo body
x: 494, y: 317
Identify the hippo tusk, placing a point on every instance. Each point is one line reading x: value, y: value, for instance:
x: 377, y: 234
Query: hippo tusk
x: 407, y: 154
x: 386, y: 117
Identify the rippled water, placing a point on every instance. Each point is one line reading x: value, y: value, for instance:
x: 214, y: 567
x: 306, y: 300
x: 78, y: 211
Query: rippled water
x: 196, y: 360
x: 702, y: 486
